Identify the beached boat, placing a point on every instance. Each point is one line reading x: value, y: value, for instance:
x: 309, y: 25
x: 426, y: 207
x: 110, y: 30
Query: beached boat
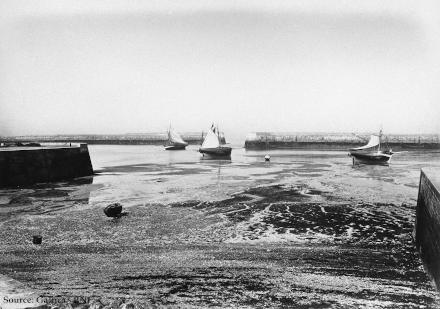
x: 214, y: 144
x: 175, y: 141
x: 371, y: 152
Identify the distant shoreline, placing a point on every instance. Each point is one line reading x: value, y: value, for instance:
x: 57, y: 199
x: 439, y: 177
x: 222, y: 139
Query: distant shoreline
x: 257, y: 140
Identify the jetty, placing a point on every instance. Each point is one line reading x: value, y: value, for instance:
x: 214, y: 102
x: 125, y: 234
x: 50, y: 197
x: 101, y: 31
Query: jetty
x: 27, y: 165
x: 427, y: 227
x: 337, y: 141
x: 159, y: 138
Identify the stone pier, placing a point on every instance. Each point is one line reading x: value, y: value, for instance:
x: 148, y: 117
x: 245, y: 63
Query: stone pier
x: 21, y: 166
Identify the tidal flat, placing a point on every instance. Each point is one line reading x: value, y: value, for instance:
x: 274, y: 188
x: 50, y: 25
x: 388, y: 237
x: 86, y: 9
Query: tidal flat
x: 306, y: 230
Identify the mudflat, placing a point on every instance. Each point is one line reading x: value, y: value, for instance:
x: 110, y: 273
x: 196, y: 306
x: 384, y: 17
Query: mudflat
x: 305, y: 230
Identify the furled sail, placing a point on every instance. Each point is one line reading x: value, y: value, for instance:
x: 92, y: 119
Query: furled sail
x: 373, y: 142
x: 175, y: 138
x: 211, y: 140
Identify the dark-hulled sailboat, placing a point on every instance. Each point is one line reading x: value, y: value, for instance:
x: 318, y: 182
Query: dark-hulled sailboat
x: 175, y: 141
x: 371, y: 152
x: 214, y: 145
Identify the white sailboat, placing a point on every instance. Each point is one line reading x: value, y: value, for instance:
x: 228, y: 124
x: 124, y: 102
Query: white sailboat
x: 371, y: 152
x: 175, y: 141
x: 214, y: 144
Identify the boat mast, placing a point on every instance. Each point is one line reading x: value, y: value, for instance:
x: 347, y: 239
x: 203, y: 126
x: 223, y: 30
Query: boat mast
x: 380, y: 137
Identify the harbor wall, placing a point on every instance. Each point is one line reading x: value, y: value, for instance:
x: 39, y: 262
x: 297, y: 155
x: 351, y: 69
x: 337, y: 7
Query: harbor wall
x: 427, y: 227
x: 337, y: 141
x: 106, y: 139
x: 27, y: 165
x: 258, y: 140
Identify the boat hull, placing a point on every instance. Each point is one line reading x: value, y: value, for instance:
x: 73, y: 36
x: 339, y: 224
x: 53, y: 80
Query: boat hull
x: 371, y: 158
x: 218, y: 152
x: 175, y: 147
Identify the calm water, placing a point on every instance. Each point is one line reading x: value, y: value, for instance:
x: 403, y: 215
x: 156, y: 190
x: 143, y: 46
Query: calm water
x: 135, y: 174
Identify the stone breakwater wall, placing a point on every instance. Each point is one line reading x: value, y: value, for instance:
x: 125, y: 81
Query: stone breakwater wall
x: 337, y: 141
x: 427, y: 227
x: 102, y: 139
x: 27, y: 165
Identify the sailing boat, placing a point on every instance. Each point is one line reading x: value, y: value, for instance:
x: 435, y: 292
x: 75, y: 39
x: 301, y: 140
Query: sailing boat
x: 371, y: 153
x: 175, y: 141
x: 214, y: 144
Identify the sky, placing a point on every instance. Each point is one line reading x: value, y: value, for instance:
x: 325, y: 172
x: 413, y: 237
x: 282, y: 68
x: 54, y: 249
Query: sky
x: 125, y: 66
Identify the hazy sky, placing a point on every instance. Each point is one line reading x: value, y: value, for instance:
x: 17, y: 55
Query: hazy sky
x: 85, y: 66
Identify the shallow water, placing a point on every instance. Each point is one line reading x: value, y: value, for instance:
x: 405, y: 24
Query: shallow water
x: 133, y: 173
x: 306, y: 228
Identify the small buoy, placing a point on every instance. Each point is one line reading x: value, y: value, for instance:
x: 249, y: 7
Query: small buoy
x: 37, y: 239
x: 113, y: 210
x: 267, y: 158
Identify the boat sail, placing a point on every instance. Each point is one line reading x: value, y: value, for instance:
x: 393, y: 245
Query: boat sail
x: 371, y: 153
x: 371, y: 145
x: 215, y: 144
x: 175, y: 141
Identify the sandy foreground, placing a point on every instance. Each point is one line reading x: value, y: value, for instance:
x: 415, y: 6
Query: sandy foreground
x: 268, y: 246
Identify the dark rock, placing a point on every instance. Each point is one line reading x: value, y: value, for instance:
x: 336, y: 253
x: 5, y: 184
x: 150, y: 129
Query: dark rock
x: 113, y: 210
x: 37, y: 239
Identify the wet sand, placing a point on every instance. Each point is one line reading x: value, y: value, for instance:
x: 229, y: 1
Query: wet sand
x: 303, y: 231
